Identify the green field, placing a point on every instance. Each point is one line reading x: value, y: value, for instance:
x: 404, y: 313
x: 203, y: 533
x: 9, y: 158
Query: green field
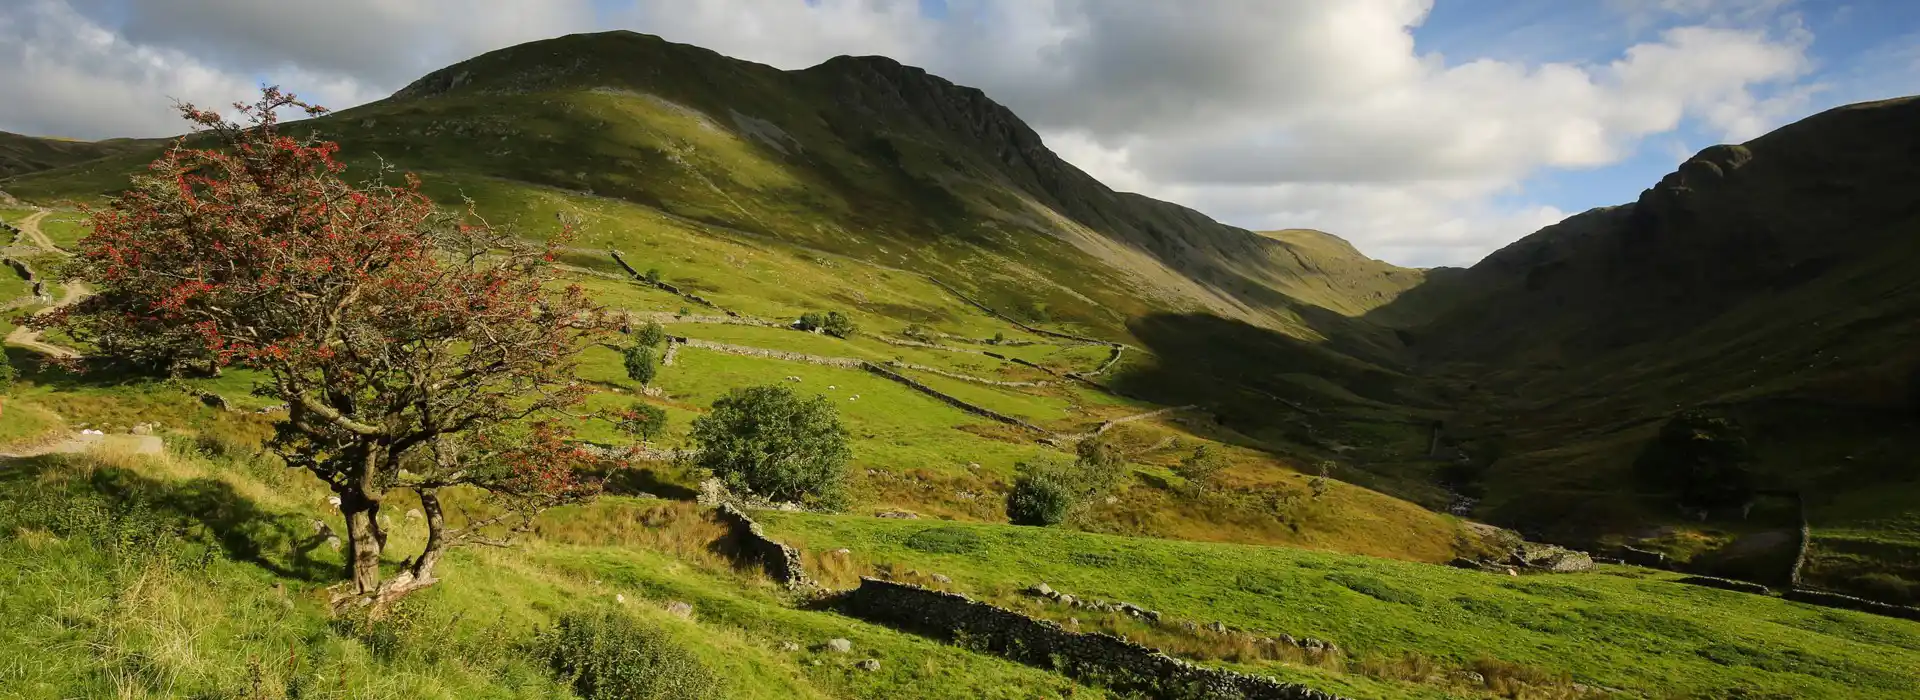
x: 106, y: 598
x: 1620, y: 627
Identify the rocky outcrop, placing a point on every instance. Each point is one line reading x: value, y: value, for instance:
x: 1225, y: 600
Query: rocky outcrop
x: 1106, y: 659
x: 1531, y: 556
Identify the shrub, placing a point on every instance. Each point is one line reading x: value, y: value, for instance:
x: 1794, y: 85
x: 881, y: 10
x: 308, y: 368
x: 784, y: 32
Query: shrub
x: 650, y: 335
x: 1041, y: 497
x: 652, y: 275
x: 640, y: 363
x: 1702, y: 456
x: 1101, y: 467
x: 645, y: 421
x: 1200, y: 467
x: 769, y: 441
x: 6, y: 372
x: 999, y: 338
x: 838, y: 325
x: 611, y: 656
x: 811, y: 321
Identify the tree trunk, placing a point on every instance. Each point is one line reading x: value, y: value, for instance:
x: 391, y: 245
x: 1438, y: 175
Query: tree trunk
x: 436, y: 538
x: 363, y: 541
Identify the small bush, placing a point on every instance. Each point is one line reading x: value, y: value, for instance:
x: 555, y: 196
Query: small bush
x: 6, y: 372
x: 811, y: 321
x: 611, y: 656
x: 838, y: 325
x: 1200, y: 467
x: 640, y: 364
x: 644, y: 421
x: 1041, y: 497
x: 651, y: 335
x: 652, y: 275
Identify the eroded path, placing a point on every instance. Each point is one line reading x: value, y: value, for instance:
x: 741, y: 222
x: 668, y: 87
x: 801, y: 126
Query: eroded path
x: 71, y: 293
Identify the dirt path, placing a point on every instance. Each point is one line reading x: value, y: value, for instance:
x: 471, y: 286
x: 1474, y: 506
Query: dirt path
x: 31, y: 227
x: 30, y: 339
x: 73, y: 292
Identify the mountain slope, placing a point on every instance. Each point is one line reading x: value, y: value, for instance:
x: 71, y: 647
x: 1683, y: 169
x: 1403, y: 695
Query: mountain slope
x: 1772, y: 281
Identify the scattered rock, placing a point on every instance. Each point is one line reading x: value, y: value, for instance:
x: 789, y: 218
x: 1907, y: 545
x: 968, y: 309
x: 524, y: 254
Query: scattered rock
x: 415, y: 514
x: 941, y: 579
x: 334, y: 542
x: 680, y: 609
x: 619, y: 598
x: 1218, y: 626
x: 839, y: 646
x: 789, y: 646
x: 1472, y: 678
x: 897, y: 515
x: 843, y: 551
x: 1041, y: 589
x: 1068, y: 600
x: 869, y: 665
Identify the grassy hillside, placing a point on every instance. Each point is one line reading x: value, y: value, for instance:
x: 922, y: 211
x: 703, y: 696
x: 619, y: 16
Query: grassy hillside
x: 1407, y: 629
x: 858, y: 184
x: 196, y: 572
x: 25, y: 154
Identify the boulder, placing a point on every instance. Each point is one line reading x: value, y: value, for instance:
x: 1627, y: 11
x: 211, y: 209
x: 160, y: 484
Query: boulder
x: 839, y: 646
x: 869, y: 665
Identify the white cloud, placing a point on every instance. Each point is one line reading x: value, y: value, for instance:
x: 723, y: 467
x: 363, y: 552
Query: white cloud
x: 1265, y: 114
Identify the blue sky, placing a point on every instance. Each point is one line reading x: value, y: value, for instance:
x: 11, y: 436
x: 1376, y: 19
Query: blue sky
x: 1860, y: 51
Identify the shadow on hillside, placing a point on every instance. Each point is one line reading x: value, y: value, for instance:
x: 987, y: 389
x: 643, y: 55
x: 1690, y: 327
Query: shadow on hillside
x: 107, y: 499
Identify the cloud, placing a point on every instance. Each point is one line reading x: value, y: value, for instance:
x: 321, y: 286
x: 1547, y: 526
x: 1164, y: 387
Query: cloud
x: 1323, y: 113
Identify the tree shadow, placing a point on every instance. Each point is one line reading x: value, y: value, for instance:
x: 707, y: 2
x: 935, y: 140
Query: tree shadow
x: 200, y: 508
x: 633, y: 481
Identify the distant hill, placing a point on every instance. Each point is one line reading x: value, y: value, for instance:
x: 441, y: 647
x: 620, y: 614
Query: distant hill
x: 1777, y: 281
x: 25, y: 154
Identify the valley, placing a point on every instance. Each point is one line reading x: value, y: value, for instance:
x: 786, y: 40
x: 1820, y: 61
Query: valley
x: 1367, y: 419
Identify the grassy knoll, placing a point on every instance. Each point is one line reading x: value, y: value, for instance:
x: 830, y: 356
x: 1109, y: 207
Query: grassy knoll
x: 1620, y: 628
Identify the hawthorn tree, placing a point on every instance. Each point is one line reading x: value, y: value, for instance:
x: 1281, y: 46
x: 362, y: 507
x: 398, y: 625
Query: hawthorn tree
x: 416, y: 351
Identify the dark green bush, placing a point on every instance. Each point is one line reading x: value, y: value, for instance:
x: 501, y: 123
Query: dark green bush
x: 640, y: 363
x: 1702, y: 456
x: 611, y: 656
x: 6, y: 372
x: 645, y: 421
x: 651, y: 334
x: 1041, y: 497
x: 771, y: 442
x: 1200, y: 467
x: 838, y: 325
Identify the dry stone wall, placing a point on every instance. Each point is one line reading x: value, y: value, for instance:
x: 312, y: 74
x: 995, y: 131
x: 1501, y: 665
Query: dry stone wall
x: 847, y: 362
x: 951, y: 400
x: 781, y: 562
x: 964, y: 377
x: 1836, y: 600
x: 1101, y: 658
